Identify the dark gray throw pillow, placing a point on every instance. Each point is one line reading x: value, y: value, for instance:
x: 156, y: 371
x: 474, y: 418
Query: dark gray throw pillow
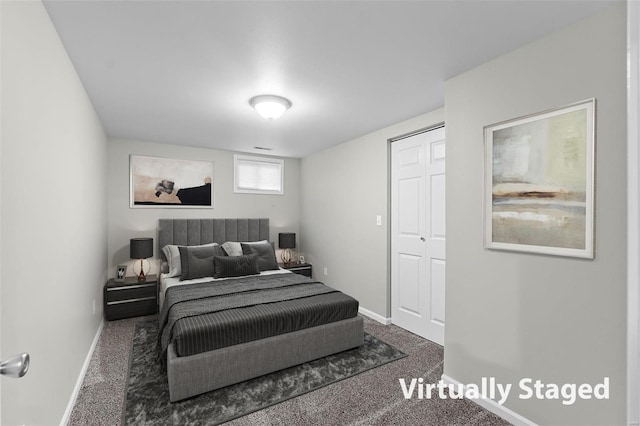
x: 197, y: 261
x: 266, y: 254
x: 236, y: 266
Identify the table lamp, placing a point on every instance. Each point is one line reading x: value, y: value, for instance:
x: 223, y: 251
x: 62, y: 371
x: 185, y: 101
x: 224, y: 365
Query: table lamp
x: 286, y: 241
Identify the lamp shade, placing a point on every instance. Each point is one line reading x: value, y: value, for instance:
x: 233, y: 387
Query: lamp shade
x: 141, y: 248
x: 287, y: 240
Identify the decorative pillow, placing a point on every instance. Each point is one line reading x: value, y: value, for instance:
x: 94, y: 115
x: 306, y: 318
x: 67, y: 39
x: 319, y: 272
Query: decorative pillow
x: 172, y: 253
x: 236, y: 266
x: 266, y: 254
x: 232, y: 248
x: 197, y: 261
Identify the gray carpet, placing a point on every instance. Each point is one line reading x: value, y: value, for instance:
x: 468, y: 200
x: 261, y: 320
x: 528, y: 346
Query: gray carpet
x: 373, y: 398
x: 147, y: 396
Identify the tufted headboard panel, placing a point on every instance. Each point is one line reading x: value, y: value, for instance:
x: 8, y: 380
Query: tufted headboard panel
x: 191, y: 232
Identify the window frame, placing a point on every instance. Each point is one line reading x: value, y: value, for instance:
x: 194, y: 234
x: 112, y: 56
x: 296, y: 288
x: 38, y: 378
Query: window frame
x: 257, y: 159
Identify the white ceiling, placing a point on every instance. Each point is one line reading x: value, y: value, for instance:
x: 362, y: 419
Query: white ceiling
x: 182, y: 72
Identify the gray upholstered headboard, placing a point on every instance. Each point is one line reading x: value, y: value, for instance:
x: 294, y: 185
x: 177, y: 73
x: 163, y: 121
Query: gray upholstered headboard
x: 190, y: 232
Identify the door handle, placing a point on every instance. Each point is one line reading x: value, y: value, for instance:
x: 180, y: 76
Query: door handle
x: 16, y: 366
x: 422, y: 239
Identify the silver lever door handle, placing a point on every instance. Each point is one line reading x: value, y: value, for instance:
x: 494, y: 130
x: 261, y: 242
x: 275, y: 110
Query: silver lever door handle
x: 16, y: 366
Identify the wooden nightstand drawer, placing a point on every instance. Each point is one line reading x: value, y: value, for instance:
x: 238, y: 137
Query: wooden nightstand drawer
x: 134, y: 291
x: 130, y: 298
x: 131, y: 308
x: 299, y: 268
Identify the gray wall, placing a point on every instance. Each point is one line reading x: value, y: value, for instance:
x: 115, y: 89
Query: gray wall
x: 344, y: 188
x: 53, y: 214
x: 512, y: 315
x: 125, y: 222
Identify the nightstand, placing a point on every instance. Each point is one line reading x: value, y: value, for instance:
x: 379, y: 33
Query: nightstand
x: 130, y: 298
x: 298, y: 268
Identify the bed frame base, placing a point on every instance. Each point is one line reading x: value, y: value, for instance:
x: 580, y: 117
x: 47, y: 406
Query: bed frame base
x: 196, y: 374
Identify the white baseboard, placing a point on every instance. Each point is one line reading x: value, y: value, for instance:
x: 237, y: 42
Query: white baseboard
x: 83, y: 371
x: 497, y: 409
x: 374, y: 316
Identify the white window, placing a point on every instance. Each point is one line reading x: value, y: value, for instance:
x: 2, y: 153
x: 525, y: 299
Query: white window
x: 258, y: 175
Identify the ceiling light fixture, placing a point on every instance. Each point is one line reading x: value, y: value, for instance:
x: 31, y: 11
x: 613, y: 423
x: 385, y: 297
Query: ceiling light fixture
x: 270, y: 106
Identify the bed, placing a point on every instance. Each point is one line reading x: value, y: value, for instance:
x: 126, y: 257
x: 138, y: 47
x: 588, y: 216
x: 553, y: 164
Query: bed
x: 217, y: 332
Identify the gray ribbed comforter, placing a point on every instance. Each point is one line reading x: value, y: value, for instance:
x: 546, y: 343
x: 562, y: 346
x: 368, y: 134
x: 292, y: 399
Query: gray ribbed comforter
x: 212, y: 315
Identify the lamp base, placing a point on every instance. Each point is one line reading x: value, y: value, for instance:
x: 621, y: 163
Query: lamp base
x: 141, y: 276
x: 285, y: 255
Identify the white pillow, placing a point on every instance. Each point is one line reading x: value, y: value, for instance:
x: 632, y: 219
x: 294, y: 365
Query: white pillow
x: 233, y: 248
x: 172, y: 253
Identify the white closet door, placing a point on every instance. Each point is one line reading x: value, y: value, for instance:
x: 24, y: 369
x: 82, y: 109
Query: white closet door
x: 418, y: 233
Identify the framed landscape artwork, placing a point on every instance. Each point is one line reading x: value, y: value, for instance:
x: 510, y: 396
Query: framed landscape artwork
x: 539, y: 182
x: 168, y: 183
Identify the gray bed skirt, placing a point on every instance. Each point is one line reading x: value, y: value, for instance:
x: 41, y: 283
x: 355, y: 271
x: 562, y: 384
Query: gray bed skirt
x: 192, y: 375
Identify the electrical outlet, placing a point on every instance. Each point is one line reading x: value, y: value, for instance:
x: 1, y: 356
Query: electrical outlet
x: 94, y: 306
x: 326, y: 272
x: 379, y: 220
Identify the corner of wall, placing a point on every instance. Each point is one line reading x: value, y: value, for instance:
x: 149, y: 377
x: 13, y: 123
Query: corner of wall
x: 343, y: 190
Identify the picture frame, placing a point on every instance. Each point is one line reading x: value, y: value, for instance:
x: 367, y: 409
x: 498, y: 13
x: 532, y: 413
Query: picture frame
x: 157, y: 182
x: 539, y: 182
x: 121, y: 273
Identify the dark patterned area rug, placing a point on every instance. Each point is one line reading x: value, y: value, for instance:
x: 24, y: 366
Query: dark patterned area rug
x: 147, y: 397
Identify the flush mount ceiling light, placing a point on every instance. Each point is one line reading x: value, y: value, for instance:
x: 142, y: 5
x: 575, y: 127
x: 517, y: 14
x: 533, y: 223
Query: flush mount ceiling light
x: 270, y: 106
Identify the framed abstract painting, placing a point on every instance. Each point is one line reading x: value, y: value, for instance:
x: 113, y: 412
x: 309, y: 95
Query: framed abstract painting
x: 169, y: 183
x: 539, y: 182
